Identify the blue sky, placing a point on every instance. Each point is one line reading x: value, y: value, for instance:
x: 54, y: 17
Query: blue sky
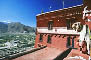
x: 25, y: 11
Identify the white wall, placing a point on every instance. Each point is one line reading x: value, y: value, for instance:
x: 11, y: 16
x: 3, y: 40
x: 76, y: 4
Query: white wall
x: 56, y: 30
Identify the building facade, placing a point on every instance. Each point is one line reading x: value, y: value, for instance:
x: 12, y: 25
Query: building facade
x: 63, y: 28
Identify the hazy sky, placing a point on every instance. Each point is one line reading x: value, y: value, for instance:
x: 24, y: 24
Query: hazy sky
x: 25, y: 11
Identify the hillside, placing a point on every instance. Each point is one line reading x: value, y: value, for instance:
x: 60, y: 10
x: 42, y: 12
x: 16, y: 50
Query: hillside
x: 15, y: 27
x: 3, y: 27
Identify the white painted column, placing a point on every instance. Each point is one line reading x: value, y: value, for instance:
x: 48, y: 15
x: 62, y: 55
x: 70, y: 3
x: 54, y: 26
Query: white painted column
x: 86, y: 36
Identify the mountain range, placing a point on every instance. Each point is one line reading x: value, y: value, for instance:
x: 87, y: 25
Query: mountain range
x: 15, y: 27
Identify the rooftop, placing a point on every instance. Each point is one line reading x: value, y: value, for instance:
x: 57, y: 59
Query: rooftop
x: 60, y: 9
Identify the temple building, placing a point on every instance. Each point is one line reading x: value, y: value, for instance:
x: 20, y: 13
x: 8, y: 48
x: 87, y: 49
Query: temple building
x: 65, y: 28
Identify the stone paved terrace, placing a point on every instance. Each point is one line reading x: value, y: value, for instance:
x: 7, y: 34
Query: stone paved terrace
x: 43, y: 54
x: 51, y: 53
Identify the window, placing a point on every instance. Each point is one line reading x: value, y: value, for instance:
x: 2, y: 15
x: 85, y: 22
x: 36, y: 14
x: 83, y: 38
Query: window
x: 86, y: 29
x: 50, y: 25
x: 69, y: 23
x: 41, y: 38
x: 68, y: 41
x: 49, y: 39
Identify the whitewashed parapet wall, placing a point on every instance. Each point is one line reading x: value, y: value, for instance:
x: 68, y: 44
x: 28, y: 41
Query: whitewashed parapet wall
x: 56, y: 30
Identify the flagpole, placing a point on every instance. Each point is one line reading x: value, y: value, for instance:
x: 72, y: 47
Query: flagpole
x: 63, y: 4
x: 50, y: 8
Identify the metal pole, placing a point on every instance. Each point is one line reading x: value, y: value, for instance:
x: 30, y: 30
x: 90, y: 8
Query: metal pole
x: 63, y: 4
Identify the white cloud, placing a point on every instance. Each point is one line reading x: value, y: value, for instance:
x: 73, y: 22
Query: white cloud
x: 7, y: 21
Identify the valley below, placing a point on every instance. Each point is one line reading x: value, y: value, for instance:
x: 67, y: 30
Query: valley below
x: 14, y: 43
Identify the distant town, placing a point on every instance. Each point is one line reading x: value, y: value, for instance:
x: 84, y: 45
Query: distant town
x: 15, y: 42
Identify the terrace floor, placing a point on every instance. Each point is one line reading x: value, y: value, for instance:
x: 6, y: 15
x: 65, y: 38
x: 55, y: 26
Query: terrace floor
x: 51, y: 53
x: 43, y: 54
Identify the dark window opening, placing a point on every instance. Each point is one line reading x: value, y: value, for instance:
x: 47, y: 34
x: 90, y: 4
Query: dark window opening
x: 86, y: 29
x: 69, y: 23
x: 73, y: 42
x: 49, y: 39
x: 41, y: 38
x: 50, y: 25
x: 68, y: 41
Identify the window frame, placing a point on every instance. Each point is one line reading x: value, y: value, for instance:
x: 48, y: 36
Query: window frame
x: 50, y: 25
x: 49, y: 39
x: 41, y: 38
x: 69, y: 25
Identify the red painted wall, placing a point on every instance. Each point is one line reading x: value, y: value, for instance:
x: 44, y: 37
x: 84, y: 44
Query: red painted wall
x: 56, y: 41
x: 74, y: 13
